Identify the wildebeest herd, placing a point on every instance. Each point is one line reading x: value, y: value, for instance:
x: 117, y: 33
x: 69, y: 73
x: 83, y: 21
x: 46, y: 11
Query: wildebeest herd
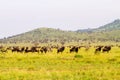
x: 45, y: 49
x: 103, y: 49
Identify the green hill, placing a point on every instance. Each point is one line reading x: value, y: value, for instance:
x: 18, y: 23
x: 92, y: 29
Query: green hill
x: 108, y: 32
x: 43, y: 35
x: 115, y: 25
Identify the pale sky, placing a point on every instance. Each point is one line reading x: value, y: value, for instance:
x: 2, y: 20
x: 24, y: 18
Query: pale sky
x: 17, y: 16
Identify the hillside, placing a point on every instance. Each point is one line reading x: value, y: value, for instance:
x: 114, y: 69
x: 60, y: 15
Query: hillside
x: 115, y: 25
x: 43, y: 35
x: 108, y: 32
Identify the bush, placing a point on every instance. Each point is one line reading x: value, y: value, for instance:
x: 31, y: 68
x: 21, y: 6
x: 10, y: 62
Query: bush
x: 78, y: 56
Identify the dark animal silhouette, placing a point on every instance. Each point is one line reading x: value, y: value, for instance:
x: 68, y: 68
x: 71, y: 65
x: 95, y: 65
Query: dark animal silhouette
x: 15, y: 49
x: 106, y: 49
x: 27, y: 50
x: 98, y: 49
x: 44, y: 49
x: 32, y: 49
x: 74, y: 49
x: 61, y: 49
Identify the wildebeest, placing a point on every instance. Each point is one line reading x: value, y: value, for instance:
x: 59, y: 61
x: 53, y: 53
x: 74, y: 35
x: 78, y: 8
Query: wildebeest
x: 61, y: 49
x: 27, y: 50
x: 74, y: 49
x: 15, y: 49
x: 32, y: 49
x: 22, y: 49
x: 106, y: 49
x: 98, y: 49
x: 44, y: 49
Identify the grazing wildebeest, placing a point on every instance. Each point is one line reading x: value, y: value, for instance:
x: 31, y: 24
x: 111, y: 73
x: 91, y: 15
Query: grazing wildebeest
x: 61, y: 49
x: 15, y: 49
x: 32, y: 49
x: 22, y: 49
x: 44, y: 49
x: 106, y: 49
x: 98, y: 49
x: 74, y: 49
x: 27, y: 50
x: 41, y: 51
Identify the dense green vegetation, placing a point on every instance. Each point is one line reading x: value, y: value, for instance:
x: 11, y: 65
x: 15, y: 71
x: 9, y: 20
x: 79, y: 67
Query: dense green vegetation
x: 52, y: 66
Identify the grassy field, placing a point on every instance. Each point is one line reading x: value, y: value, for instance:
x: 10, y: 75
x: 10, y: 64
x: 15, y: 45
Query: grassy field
x: 84, y: 65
